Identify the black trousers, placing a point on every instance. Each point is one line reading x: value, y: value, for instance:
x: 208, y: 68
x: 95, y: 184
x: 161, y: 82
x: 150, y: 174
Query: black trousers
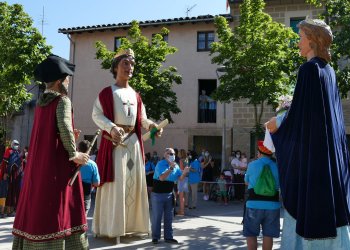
x: 239, y: 186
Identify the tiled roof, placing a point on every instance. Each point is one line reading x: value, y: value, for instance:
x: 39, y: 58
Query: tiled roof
x: 181, y: 20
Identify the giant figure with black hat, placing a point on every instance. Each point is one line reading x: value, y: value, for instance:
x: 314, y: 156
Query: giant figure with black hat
x: 312, y: 151
x: 121, y: 204
x: 50, y: 213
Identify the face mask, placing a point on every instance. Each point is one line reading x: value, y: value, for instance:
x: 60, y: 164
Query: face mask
x: 207, y: 154
x: 171, y: 158
x: 15, y: 147
x: 26, y: 154
x: 190, y: 157
x: 237, y: 156
x: 203, y: 153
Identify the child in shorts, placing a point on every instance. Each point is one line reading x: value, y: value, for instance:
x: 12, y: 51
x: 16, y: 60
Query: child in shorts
x: 222, y: 188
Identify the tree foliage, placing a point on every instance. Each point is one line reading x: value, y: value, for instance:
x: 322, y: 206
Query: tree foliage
x: 260, y: 57
x: 21, y: 48
x: 150, y: 78
x: 337, y: 15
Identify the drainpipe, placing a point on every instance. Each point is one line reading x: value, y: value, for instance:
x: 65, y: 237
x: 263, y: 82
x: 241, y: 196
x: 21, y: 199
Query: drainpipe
x: 72, y: 49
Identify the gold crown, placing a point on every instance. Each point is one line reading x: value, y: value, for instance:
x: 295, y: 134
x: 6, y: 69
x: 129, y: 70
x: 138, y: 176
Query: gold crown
x: 128, y: 52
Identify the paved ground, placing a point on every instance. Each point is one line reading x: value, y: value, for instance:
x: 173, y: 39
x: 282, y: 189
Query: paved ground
x: 210, y: 226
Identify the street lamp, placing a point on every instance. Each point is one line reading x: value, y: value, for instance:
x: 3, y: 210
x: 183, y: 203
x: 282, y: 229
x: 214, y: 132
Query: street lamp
x: 222, y: 69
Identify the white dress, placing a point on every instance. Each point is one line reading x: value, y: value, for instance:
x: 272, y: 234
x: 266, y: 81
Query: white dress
x: 121, y: 206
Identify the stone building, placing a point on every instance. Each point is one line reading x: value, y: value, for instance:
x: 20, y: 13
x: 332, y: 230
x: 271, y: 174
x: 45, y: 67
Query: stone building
x: 192, y: 36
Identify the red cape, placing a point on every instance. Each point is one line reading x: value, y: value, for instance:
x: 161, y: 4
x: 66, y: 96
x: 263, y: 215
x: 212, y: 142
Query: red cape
x: 105, y: 153
x: 48, y: 207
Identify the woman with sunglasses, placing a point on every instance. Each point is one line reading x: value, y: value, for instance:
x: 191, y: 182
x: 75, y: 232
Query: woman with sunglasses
x: 165, y: 174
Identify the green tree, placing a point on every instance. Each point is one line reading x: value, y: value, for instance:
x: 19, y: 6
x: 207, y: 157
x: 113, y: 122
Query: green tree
x: 260, y: 57
x: 337, y: 15
x: 150, y: 78
x: 21, y: 48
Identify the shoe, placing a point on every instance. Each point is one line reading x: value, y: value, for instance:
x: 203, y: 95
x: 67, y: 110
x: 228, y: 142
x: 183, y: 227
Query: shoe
x: 155, y: 241
x: 189, y: 207
x: 172, y: 241
x: 193, y: 207
x: 180, y: 214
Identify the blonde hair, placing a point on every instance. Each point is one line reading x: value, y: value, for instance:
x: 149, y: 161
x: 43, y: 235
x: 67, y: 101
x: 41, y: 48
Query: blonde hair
x: 182, y: 154
x: 320, y: 36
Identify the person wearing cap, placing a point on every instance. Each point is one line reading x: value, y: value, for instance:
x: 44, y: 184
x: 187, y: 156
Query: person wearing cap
x: 312, y: 151
x: 121, y: 204
x: 12, y: 170
x: 50, y: 213
x: 261, y: 211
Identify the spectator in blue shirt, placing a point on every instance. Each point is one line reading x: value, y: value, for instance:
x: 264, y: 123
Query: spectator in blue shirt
x: 166, y: 173
x: 89, y: 175
x: 261, y: 211
x: 194, y: 178
x: 149, y: 169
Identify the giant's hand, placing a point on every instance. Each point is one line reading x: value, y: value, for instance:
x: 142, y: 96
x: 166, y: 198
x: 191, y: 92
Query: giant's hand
x: 117, y: 134
x: 159, y: 132
x: 81, y: 158
x: 271, y: 125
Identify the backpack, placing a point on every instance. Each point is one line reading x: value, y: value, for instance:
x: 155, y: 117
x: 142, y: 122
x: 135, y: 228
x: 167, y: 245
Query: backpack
x: 265, y: 184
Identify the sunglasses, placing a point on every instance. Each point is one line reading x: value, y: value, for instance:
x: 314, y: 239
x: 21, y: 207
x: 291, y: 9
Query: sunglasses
x: 171, y: 153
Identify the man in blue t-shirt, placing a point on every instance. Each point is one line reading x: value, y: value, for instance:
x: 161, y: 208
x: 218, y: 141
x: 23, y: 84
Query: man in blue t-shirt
x: 89, y: 175
x: 194, y: 178
x: 166, y: 173
x: 261, y: 210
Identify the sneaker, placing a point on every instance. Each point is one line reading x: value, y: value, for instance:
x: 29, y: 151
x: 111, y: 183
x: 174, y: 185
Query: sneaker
x: 172, y: 241
x: 155, y: 241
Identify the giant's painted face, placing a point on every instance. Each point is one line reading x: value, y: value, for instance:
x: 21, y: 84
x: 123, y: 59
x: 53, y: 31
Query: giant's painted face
x: 125, y: 68
x: 304, y: 44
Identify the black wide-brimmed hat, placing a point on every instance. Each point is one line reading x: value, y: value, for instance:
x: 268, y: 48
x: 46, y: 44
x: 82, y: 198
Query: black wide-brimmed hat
x: 53, y: 68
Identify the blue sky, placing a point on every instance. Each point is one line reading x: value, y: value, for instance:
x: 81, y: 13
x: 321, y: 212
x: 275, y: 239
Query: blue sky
x: 73, y: 13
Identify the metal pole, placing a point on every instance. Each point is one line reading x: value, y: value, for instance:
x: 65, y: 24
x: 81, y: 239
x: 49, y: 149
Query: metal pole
x: 223, y: 156
x: 223, y: 147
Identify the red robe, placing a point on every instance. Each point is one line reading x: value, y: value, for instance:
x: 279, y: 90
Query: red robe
x: 48, y: 207
x: 12, y: 166
x: 105, y: 154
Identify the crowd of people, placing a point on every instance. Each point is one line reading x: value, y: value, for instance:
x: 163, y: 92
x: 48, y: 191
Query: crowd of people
x: 312, y: 176
x: 11, y: 173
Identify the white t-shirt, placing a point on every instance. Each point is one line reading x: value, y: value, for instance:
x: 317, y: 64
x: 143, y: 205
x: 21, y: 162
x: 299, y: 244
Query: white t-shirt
x: 236, y: 163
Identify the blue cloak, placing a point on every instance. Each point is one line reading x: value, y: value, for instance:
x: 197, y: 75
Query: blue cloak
x: 312, y: 154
